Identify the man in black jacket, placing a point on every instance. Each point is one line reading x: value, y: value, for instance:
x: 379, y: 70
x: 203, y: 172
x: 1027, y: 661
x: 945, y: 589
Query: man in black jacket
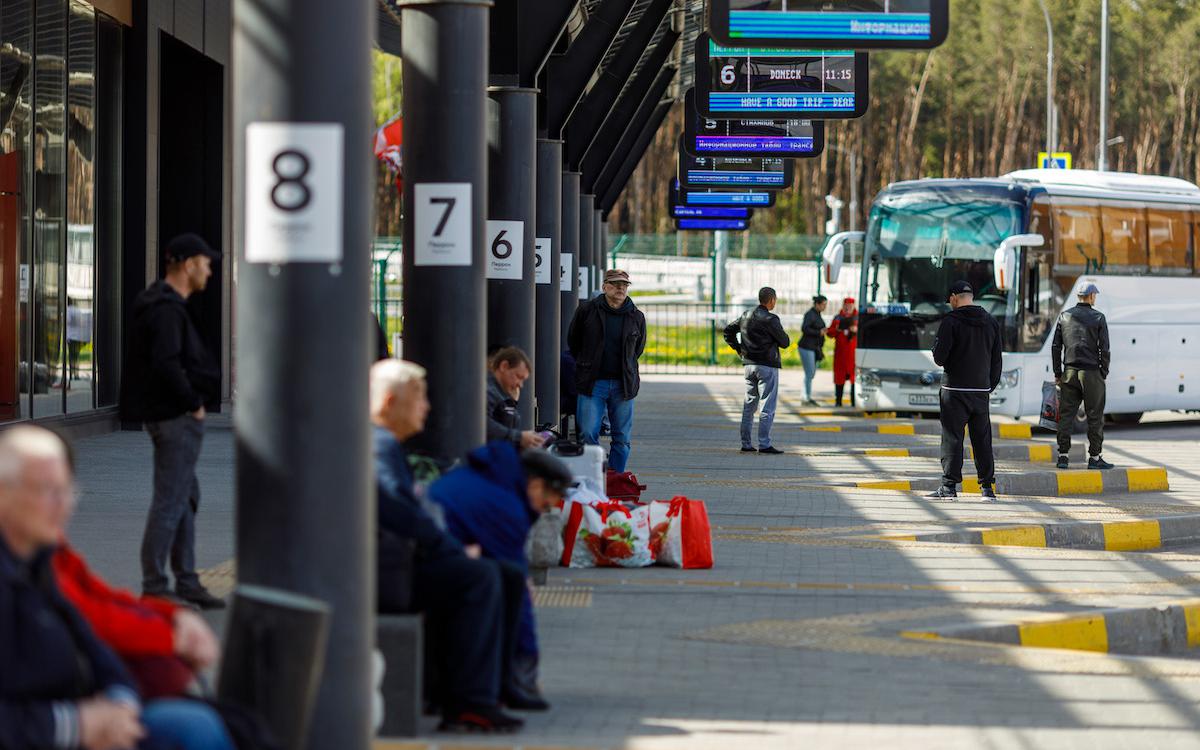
x: 812, y: 343
x: 967, y: 347
x: 168, y: 379
x: 607, y: 337
x: 757, y: 336
x: 473, y: 605
x: 1081, y: 342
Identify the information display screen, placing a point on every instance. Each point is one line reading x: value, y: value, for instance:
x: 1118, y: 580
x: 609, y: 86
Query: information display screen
x: 874, y: 24
x: 735, y: 225
x: 710, y: 212
x: 733, y: 82
x: 747, y: 198
x: 748, y: 172
x: 704, y: 136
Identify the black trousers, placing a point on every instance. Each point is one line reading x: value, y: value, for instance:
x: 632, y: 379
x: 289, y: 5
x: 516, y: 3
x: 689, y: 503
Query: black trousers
x: 1076, y: 387
x: 966, y: 409
x: 512, y: 583
x: 465, y: 624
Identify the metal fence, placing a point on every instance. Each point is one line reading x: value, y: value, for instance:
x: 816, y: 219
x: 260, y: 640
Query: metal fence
x: 686, y: 337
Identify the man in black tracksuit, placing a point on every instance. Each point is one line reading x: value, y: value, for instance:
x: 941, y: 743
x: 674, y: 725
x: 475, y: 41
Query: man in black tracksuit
x: 967, y: 347
x: 1081, y: 342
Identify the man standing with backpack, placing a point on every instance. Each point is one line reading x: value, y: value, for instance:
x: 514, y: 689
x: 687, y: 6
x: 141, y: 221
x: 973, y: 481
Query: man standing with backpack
x: 757, y: 336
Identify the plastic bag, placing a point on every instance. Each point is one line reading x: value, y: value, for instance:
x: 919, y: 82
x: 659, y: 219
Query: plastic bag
x: 606, y: 535
x: 680, y: 535
x: 1049, y: 415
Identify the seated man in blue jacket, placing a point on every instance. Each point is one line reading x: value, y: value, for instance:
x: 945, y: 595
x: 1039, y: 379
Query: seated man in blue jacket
x: 493, y: 501
x: 60, y: 687
x: 462, y: 596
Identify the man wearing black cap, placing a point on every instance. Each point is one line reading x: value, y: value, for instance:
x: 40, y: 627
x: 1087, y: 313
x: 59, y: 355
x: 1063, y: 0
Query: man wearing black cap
x: 167, y: 380
x: 967, y: 347
x: 1081, y: 343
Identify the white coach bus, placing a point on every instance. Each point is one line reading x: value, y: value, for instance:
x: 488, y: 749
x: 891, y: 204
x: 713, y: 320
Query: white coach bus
x: 1026, y: 242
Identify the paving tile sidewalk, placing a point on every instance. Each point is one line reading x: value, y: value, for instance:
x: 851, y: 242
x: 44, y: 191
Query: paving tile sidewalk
x: 793, y: 638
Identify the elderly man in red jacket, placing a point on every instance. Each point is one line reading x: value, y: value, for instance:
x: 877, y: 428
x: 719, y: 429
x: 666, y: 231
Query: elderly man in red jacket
x: 844, y: 332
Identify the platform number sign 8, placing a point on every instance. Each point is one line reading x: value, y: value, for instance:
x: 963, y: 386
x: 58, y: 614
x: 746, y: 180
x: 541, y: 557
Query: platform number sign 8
x: 506, y: 240
x: 294, y: 192
x: 442, y: 226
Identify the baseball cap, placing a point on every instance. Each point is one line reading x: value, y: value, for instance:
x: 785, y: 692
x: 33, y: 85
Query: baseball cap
x: 614, y: 275
x: 1087, y: 289
x: 961, y: 287
x: 185, y: 246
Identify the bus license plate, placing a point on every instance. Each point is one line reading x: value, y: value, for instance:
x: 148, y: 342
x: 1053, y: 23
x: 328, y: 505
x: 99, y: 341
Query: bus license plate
x: 923, y: 399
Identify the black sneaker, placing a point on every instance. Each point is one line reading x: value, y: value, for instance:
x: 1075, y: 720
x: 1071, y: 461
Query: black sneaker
x: 946, y: 491
x: 749, y: 450
x: 202, y: 599
x: 771, y: 451
x: 1063, y: 461
x: 1097, y: 462
x: 987, y: 492
x: 489, y: 720
x: 523, y: 700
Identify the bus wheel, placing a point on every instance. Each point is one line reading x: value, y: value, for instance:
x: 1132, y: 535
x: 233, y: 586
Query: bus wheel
x: 1128, y: 418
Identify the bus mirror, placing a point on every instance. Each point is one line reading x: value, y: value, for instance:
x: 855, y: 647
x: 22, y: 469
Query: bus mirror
x: 835, y: 253
x: 1004, y: 265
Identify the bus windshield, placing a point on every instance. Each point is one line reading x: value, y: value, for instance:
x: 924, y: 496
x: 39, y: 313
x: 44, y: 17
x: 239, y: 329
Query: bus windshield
x: 918, y: 243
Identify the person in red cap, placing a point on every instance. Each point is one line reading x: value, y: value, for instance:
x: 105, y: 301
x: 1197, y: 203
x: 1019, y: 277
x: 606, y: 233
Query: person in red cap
x: 844, y: 332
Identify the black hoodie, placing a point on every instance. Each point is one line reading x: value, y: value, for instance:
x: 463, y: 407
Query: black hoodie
x: 967, y: 347
x: 167, y: 371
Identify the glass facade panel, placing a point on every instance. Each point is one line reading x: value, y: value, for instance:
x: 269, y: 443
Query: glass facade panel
x: 49, y: 197
x: 17, y: 377
x: 81, y: 207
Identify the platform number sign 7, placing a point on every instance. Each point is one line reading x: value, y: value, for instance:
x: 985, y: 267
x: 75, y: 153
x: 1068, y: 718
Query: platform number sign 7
x: 442, y: 226
x: 294, y: 192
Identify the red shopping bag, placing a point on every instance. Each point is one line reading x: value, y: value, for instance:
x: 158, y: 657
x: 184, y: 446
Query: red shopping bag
x: 680, y: 535
x: 606, y: 535
x: 623, y: 485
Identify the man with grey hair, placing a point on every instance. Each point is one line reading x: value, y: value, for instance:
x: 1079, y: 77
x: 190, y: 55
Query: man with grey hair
x: 62, y: 687
x: 470, y: 611
x: 1081, y: 343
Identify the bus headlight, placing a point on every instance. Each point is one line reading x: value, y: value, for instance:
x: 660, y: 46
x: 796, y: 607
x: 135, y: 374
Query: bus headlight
x: 1010, y: 379
x: 868, y: 378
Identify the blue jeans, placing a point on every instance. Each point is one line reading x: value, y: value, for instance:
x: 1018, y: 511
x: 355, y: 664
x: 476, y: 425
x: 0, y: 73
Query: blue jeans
x: 809, y: 358
x: 170, y: 534
x: 768, y: 378
x: 607, y: 397
x: 183, y: 725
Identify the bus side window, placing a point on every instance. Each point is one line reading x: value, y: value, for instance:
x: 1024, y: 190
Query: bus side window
x: 1077, y: 236
x: 1124, y: 235
x: 1168, y: 239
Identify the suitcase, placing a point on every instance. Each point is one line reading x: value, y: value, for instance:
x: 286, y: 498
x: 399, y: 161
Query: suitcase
x: 586, y: 462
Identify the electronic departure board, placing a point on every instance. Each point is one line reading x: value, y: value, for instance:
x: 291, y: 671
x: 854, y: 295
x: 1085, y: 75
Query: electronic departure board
x: 757, y: 82
x: 861, y: 24
x: 710, y: 212
x: 747, y: 198
x: 703, y: 136
x: 735, y: 225
x: 743, y: 172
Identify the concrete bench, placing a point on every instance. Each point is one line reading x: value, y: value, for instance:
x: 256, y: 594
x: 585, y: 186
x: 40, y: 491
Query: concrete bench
x: 400, y: 639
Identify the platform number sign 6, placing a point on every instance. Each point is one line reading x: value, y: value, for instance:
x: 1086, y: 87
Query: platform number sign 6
x: 294, y: 192
x: 506, y: 242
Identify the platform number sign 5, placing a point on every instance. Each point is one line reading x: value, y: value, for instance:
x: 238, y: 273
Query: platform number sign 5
x: 442, y: 225
x: 506, y: 240
x: 294, y: 192
x: 541, y: 261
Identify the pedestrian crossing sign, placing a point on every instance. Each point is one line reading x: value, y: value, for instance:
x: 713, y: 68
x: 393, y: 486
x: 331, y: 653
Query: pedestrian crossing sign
x: 1061, y: 160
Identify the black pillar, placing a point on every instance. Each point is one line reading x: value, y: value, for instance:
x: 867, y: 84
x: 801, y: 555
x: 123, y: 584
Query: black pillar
x: 548, y: 297
x: 445, y: 202
x: 512, y: 201
x: 305, y: 505
x: 597, y: 247
x: 587, y: 243
x: 570, y: 250
x: 604, y: 265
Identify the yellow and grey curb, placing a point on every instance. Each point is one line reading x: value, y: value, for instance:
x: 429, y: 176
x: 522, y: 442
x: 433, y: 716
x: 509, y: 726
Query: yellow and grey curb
x: 1003, y: 431
x: 1036, y: 453
x: 1165, y: 629
x: 1128, y: 536
x: 1048, y: 483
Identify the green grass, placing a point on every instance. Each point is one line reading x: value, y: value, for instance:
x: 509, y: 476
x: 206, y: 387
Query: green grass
x: 695, y: 345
